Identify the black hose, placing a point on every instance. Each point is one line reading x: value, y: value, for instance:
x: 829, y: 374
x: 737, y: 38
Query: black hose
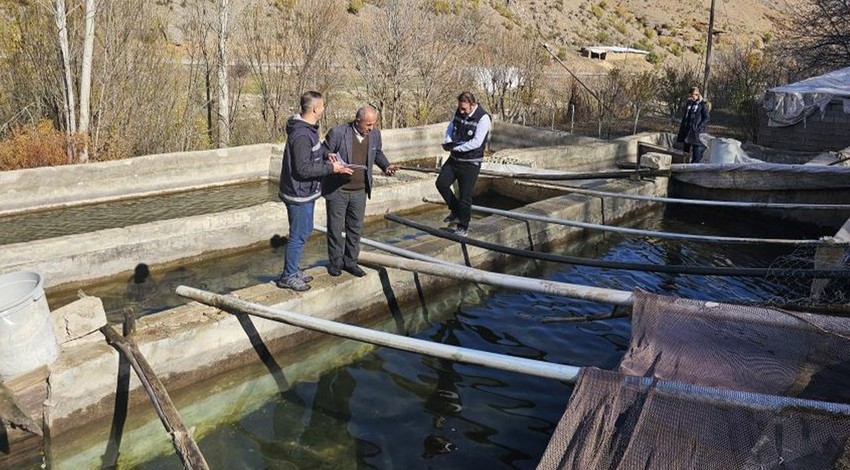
x: 598, y: 263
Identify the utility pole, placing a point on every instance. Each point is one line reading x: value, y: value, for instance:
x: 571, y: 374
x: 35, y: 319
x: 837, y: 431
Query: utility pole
x: 708, y: 51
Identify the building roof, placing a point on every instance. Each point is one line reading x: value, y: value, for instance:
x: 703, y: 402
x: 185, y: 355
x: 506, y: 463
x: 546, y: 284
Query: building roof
x: 614, y: 49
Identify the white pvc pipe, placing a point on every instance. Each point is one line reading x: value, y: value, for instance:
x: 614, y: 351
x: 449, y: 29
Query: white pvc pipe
x: 596, y: 294
x: 638, y: 232
x: 454, y: 353
x: 390, y: 248
x: 696, y: 202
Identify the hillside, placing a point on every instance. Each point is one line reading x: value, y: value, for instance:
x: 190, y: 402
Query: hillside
x: 670, y: 29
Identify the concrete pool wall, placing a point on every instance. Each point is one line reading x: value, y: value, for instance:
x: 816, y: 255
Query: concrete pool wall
x: 82, y: 382
x: 194, y: 343
x: 69, y: 260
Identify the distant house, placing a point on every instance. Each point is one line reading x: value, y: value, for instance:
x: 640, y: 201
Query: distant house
x: 493, y: 79
x: 612, y: 52
x: 810, y: 115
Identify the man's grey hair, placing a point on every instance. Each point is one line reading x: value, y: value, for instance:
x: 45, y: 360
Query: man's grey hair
x: 361, y: 112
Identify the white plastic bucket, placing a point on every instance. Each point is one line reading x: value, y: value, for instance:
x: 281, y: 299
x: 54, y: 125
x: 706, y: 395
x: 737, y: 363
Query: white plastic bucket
x: 27, y: 339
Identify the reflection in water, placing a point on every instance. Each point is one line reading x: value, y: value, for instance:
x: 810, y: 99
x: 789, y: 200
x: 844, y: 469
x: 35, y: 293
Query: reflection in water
x: 397, y: 410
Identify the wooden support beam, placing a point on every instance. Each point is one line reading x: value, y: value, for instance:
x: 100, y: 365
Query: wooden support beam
x: 181, y: 437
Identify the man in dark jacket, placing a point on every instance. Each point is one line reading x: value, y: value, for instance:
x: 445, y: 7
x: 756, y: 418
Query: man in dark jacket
x: 694, y: 121
x: 358, y: 145
x: 465, y: 139
x: 304, y: 164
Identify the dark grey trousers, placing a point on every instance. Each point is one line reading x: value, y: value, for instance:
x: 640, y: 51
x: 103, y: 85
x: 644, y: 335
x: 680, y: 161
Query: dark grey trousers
x: 346, y: 211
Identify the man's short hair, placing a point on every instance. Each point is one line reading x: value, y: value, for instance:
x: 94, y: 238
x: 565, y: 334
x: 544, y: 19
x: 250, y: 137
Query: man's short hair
x: 308, y: 100
x: 361, y: 112
x: 466, y: 97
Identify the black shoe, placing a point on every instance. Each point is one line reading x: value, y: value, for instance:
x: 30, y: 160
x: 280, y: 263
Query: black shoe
x: 355, y: 270
x: 334, y: 270
x: 462, y: 231
x: 450, y: 219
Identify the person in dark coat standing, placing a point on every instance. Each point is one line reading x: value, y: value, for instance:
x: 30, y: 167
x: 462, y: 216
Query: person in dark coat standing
x: 357, y: 145
x: 305, y: 162
x: 465, y: 140
x: 694, y: 121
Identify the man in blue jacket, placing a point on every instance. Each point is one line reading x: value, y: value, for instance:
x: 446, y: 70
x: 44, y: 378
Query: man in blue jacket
x: 358, y: 145
x: 305, y: 162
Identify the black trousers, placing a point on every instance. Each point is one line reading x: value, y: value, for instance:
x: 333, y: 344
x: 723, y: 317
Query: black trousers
x: 465, y: 173
x: 345, y: 211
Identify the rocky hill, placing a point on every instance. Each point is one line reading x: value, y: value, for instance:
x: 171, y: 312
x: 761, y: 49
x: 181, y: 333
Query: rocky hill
x: 669, y: 29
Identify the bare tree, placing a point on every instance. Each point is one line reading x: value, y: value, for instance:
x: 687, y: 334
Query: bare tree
x: 268, y: 52
x: 287, y: 54
x: 384, y: 47
x: 640, y: 91
x: 509, y: 68
x: 819, y: 36
x: 440, y: 70
x: 673, y: 85
x: 745, y: 72
x: 612, y: 100
x: 223, y: 88
x: 31, y: 85
x: 137, y: 92
x: 318, y: 29
x: 69, y: 106
x: 85, y: 77
x: 198, y: 36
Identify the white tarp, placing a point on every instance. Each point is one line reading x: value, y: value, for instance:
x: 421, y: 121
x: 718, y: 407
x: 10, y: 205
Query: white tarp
x: 722, y: 150
x: 789, y: 104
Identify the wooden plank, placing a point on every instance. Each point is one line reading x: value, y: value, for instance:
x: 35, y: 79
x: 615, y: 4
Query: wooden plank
x: 184, y: 444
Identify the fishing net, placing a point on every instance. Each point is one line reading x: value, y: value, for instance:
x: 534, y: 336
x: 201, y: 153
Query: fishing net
x: 714, y: 386
x: 807, y: 292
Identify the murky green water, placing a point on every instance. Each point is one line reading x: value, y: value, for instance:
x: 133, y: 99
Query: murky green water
x: 228, y: 273
x: 397, y: 410
x: 93, y: 217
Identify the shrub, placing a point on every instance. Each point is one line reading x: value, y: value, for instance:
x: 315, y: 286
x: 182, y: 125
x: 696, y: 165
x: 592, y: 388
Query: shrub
x: 676, y: 49
x: 698, y: 48
x: 33, y: 145
x: 597, y: 11
x: 504, y: 11
x: 441, y: 7
x: 562, y: 53
x: 602, y: 37
x: 643, y: 44
x: 354, y: 6
x: 654, y: 58
x: 620, y: 26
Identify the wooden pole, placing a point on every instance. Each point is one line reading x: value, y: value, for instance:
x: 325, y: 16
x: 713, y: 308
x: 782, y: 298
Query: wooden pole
x: 708, y: 51
x: 185, y: 445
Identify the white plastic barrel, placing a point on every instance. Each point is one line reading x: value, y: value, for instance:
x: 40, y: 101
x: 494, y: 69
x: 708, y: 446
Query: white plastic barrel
x: 27, y: 339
